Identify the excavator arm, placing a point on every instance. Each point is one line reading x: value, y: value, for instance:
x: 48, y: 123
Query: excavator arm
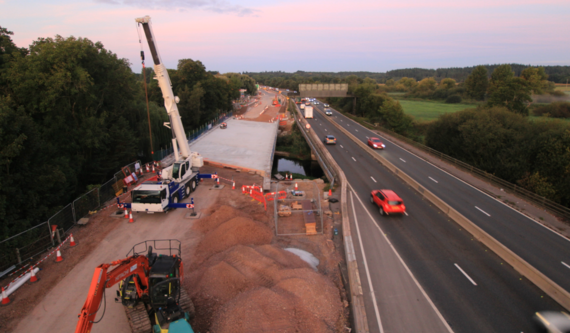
x: 103, y: 279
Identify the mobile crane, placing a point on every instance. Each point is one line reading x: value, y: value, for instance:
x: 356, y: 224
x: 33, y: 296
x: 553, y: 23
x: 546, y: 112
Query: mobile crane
x: 181, y: 178
x: 149, y: 289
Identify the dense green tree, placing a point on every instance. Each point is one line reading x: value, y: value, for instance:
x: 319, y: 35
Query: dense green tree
x: 477, y: 83
x: 509, y: 91
x: 392, y: 116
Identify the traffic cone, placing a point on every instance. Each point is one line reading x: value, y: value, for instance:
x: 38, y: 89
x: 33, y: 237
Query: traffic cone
x: 59, y: 257
x: 126, y: 213
x: 234, y: 186
x: 33, y: 278
x: 330, y: 193
x: 147, y: 168
x: 296, y: 188
x: 131, y: 217
x: 153, y: 168
x: 5, y: 299
x: 218, y: 181
x: 72, y: 241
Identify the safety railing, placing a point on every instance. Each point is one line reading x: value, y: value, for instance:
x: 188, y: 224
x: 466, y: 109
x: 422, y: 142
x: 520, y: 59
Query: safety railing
x: 16, y: 250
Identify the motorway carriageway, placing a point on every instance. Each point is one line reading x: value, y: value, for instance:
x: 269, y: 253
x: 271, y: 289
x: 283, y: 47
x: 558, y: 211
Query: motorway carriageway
x: 469, y: 285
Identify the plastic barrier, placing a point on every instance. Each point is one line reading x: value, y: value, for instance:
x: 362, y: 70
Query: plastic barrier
x: 280, y: 195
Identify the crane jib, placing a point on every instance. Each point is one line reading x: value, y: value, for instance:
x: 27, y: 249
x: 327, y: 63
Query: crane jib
x: 151, y: 46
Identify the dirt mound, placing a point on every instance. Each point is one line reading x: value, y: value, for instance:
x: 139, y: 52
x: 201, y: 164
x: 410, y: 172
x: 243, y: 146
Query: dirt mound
x: 267, y: 310
x: 219, y: 216
x: 237, y: 231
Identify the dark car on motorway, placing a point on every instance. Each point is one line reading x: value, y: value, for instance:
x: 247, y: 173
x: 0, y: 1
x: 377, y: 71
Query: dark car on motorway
x: 388, y: 202
x: 330, y: 140
x: 376, y: 143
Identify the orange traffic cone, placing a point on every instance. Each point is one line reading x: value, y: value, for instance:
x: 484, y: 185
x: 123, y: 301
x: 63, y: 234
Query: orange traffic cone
x: 5, y: 299
x: 234, y: 186
x: 59, y: 257
x: 33, y: 278
x: 126, y: 213
x: 153, y: 168
x: 72, y: 241
x: 296, y: 188
x: 330, y: 193
x: 131, y: 217
x: 218, y: 181
x: 147, y: 168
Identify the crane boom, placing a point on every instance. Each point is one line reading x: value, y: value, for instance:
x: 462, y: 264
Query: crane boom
x: 166, y: 87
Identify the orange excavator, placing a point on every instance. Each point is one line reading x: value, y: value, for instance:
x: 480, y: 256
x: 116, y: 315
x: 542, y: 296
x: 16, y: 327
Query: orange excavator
x: 149, y: 289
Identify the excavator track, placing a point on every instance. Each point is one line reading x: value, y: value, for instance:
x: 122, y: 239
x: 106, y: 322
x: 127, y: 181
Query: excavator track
x: 138, y: 319
x: 186, y: 303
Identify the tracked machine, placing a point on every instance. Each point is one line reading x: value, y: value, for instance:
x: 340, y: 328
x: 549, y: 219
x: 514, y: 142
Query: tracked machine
x: 149, y: 289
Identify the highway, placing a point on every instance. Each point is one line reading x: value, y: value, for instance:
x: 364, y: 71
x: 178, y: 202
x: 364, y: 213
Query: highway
x: 466, y: 282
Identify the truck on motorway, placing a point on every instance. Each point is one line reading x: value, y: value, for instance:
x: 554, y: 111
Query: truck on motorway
x: 177, y: 181
x: 309, y: 112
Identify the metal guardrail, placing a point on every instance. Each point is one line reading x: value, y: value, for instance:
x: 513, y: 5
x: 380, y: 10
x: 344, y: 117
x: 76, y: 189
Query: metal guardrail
x: 543, y: 282
x: 550, y: 205
x: 354, y: 287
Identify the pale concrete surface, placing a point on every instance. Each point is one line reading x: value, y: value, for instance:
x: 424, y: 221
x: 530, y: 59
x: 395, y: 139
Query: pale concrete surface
x: 245, y: 144
x: 58, y: 311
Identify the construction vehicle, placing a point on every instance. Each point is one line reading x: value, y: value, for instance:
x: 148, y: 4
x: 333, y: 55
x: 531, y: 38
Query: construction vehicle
x: 181, y: 178
x: 149, y: 289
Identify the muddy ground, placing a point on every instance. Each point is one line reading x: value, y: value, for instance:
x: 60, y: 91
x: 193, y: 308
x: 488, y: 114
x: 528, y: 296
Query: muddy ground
x: 235, y: 269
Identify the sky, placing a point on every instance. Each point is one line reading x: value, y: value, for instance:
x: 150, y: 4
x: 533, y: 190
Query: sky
x: 309, y: 35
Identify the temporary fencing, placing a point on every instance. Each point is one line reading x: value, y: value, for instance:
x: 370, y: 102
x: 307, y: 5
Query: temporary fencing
x: 297, y: 212
x: 17, y: 250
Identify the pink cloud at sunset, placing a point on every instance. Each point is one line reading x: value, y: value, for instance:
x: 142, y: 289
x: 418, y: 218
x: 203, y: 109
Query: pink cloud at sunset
x: 311, y: 35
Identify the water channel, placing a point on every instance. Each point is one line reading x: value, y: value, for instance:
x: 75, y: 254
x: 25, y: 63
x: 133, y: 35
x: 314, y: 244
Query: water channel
x: 303, y: 167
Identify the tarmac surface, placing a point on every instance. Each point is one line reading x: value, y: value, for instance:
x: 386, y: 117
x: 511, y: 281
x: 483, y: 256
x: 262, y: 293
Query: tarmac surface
x: 245, y: 144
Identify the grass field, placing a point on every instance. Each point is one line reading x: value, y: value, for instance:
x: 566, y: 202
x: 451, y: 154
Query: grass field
x: 565, y: 89
x: 431, y: 110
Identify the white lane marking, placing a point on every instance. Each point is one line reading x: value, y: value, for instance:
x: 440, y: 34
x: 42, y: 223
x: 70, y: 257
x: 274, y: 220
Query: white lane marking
x: 473, y: 187
x: 482, y: 211
x: 401, y: 159
x: 406, y: 213
x: 433, y: 179
x: 443, y: 321
x: 326, y: 129
x: 356, y: 130
x: 341, y: 147
x: 373, y: 179
x: 565, y: 264
x: 467, y: 276
x: 366, y: 266
x: 347, y: 124
x: 367, y: 137
x: 354, y: 159
x: 341, y: 120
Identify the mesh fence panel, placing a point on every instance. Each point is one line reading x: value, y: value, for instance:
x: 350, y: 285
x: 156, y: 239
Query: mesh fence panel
x: 64, y: 218
x: 131, y: 167
x: 106, y: 192
x: 89, y: 201
x: 24, y: 245
x: 299, y: 213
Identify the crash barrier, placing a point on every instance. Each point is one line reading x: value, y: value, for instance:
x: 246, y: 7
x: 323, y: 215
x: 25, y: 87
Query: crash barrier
x: 354, y: 286
x: 551, y: 288
x: 16, y: 250
x: 26, y: 274
x: 541, y: 201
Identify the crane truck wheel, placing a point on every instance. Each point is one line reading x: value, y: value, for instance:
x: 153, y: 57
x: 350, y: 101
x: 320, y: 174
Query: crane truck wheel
x: 193, y: 185
x: 187, y: 190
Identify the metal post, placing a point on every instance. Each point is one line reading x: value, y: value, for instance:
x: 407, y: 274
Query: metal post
x: 18, y: 256
x: 73, y: 212
x: 50, y: 236
x: 58, y: 236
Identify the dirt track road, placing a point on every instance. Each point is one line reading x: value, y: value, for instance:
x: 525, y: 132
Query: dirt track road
x: 58, y: 311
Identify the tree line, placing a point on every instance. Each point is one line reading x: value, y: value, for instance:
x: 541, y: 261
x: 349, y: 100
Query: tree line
x: 556, y: 74
x: 72, y: 113
x: 497, y: 137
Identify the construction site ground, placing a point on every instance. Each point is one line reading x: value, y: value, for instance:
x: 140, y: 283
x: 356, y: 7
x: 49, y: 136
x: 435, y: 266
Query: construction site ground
x: 235, y: 269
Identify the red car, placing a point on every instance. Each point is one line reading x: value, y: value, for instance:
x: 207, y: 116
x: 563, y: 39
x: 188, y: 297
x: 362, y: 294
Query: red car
x: 376, y: 143
x: 388, y: 202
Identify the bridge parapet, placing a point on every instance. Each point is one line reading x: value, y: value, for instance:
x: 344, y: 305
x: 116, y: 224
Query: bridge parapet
x: 323, y: 90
